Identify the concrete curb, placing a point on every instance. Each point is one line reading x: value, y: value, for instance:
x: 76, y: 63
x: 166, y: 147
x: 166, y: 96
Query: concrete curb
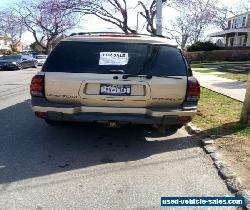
x: 230, y: 178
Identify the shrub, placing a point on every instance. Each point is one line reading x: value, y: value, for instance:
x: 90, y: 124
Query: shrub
x: 202, y: 46
x: 5, y: 52
x: 219, y: 55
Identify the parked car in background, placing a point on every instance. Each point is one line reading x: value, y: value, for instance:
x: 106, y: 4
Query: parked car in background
x: 17, y: 62
x: 116, y: 78
x: 41, y: 59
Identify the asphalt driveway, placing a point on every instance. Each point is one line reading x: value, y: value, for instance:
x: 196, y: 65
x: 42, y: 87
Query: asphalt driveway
x: 88, y: 166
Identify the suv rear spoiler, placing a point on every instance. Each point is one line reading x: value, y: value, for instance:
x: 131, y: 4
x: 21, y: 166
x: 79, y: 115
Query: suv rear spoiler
x: 104, y: 33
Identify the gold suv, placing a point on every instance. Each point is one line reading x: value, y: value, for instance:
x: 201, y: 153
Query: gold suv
x: 115, y: 78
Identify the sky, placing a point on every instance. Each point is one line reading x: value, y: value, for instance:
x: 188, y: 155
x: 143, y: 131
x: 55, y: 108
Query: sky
x: 91, y: 23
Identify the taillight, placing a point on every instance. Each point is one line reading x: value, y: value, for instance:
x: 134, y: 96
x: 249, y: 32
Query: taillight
x: 193, y: 90
x: 37, y: 86
x: 41, y: 114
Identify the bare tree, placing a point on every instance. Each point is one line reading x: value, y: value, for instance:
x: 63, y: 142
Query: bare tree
x: 112, y: 11
x: 244, y: 6
x: 221, y: 19
x: 245, y: 115
x: 180, y: 31
x: 194, y: 17
x: 149, y: 12
x: 46, y: 20
x: 11, y: 27
x: 116, y: 12
x: 203, y: 13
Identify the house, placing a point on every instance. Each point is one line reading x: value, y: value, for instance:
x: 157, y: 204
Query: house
x: 237, y: 33
x: 19, y: 47
x: 5, y: 43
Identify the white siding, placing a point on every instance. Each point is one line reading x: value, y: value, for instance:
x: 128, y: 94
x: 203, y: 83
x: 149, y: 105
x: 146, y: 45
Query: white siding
x: 4, y: 45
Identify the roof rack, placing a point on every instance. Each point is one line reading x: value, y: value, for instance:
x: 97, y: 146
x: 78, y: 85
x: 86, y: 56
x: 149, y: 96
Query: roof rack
x: 118, y: 33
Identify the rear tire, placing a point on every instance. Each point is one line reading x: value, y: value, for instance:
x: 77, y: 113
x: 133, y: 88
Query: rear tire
x: 169, y: 128
x: 19, y: 67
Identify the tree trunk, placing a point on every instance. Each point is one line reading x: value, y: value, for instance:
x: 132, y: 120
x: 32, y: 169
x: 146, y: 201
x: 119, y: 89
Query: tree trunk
x: 49, y: 46
x: 245, y: 115
x: 184, y: 41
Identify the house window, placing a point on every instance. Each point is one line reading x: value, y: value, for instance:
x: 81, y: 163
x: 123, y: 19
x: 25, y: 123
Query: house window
x: 239, y: 22
x: 244, y: 21
x: 229, y: 24
x: 233, y: 24
x: 245, y: 41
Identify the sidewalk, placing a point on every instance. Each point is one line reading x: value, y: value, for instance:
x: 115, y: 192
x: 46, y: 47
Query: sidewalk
x: 231, y: 88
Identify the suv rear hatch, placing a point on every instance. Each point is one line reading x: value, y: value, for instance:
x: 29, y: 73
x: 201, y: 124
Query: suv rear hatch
x: 115, y: 74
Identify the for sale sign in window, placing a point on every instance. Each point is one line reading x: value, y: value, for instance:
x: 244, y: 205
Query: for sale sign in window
x: 113, y: 59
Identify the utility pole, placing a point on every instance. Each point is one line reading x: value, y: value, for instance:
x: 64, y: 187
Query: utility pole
x: 137, y: 22
x: 159, y: 17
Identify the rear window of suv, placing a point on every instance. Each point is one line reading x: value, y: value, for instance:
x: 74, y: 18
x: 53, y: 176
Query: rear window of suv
x: 103, y: 58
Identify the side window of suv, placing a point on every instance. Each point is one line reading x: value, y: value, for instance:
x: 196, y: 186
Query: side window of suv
x: 190, y: 73
x: 189, y: 69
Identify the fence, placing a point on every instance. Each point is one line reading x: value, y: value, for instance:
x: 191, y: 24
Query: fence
x: 219, y: 55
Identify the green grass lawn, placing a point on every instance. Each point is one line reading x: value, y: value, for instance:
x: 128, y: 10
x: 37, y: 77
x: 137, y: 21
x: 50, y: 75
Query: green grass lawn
x: 197, y: 65
x: 219, y: 115
x: 205, y: 71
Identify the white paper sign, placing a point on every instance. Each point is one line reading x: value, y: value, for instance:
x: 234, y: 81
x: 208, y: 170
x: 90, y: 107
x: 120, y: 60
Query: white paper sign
x: 113, y: 59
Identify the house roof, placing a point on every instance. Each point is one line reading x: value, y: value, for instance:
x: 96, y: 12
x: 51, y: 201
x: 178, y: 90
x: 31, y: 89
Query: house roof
x: 233, y: 30
x: 245, y: 13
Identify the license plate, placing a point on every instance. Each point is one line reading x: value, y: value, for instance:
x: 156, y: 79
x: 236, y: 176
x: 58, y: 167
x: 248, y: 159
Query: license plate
x: 115, y: 90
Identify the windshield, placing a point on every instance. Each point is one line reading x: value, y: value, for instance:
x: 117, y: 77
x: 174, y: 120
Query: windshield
x: 40, y: 56
x: 10, y: 57
x: 128, y: 58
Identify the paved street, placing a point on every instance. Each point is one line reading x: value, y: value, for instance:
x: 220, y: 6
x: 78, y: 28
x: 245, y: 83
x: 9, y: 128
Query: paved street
x: 231, y: 88
x: 81, y: 166
x: 14, y: 86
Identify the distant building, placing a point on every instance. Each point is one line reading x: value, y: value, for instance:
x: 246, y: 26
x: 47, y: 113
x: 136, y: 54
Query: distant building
x: 19, y: 47
x: 5, y: 43
x: 237, y: 33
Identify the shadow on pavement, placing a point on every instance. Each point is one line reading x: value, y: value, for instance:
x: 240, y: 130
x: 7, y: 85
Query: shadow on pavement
x: 224, y: 130
x: 31, y: 148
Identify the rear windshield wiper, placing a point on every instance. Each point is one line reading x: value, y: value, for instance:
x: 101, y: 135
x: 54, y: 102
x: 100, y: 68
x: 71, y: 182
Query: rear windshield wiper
x: 165, y: 76
x: 116, y: 71
x: 126, y: 76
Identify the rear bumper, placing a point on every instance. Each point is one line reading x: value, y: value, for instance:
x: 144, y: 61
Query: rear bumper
x: 61, y: 112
